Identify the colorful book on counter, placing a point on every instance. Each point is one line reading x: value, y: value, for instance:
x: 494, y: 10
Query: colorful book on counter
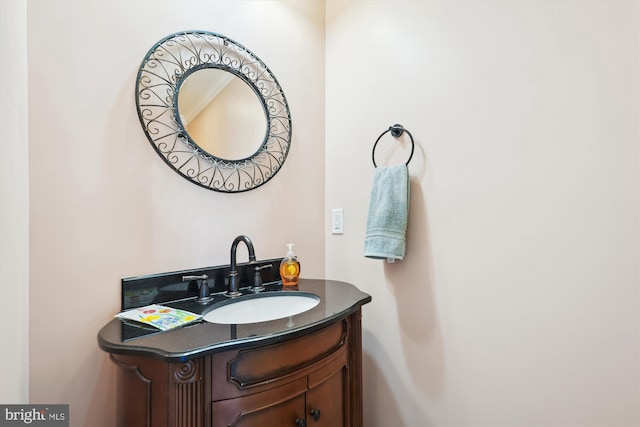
x: 159, y: 316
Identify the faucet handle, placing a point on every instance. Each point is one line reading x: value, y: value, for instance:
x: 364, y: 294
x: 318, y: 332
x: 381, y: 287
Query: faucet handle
x: 204, y: 294
x: 188, y: 278
x: 257, y: 281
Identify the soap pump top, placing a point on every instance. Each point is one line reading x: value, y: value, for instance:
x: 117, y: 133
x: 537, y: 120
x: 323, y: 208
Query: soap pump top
x: 290, y: 268
x: 290, y: 253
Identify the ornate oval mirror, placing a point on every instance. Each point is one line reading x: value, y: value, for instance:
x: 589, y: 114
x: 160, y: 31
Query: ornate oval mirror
x: 213, y: 111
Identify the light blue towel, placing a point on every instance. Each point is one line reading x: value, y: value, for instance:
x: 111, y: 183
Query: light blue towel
x: 388, y: 214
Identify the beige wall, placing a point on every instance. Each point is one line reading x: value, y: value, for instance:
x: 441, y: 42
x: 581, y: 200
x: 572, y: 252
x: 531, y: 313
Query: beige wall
x: 517, y: 303
x: 105, y: 206
x: 14, y: 205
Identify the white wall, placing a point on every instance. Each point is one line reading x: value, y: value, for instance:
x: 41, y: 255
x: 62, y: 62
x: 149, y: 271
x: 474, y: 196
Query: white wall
x: 105, y: 206
x: 14, y: 205
x: 517, y: 303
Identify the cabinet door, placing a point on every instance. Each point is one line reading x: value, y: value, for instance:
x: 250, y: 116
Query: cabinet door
x: 279, y: 407
x: 328, y: 400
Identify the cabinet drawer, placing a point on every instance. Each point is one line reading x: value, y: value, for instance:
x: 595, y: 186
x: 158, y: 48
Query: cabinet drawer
x: 242, y: 372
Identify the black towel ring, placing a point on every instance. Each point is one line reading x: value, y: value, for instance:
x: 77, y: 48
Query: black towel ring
x: 396, y: 131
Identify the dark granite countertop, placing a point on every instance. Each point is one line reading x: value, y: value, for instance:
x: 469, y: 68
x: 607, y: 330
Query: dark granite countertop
x: 337, y: 300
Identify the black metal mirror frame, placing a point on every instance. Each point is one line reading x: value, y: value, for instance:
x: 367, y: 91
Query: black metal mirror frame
x: 162, y: 72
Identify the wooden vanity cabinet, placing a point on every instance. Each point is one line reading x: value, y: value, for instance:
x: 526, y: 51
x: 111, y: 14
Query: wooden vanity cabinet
x: 310, y: 381
x: 320, y: 398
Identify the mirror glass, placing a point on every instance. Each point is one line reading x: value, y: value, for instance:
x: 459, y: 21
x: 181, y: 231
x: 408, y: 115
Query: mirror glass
x: 213, y: 111
x: 222, y: 114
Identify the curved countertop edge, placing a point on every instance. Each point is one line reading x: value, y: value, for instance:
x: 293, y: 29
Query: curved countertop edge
x: 133, y: 347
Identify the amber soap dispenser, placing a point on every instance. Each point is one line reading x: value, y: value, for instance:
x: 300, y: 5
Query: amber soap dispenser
x: 290, y: 268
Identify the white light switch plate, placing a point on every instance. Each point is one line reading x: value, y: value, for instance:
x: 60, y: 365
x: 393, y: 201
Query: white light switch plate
x: 337, y: 221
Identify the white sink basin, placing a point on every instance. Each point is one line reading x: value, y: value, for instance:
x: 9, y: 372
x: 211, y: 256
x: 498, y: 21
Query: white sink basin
x: 262, y: 308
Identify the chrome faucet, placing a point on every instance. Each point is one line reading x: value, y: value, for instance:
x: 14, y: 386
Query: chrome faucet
x: 233, y: 272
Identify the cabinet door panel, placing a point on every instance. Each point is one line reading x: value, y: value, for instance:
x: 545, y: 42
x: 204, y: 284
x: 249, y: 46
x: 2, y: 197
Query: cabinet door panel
x: 279, y: 407
x: 327, y: 402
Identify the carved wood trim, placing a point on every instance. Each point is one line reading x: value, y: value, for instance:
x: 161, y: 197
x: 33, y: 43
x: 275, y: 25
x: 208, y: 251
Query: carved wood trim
x: 187, y: 372
x: 187, y: 400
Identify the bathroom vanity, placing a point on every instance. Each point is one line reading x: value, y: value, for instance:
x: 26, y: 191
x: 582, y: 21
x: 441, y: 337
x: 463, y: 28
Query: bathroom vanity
x: 303, y: 370
x: 298, y: 370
